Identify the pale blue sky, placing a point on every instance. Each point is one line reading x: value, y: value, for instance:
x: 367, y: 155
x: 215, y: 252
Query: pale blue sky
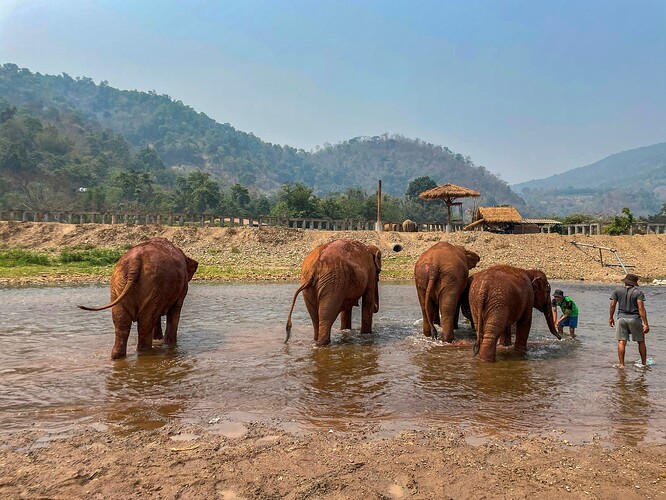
x: 526, y: 88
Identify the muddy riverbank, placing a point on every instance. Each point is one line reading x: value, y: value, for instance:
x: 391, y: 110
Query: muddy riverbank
x: 275, y: 254
x: 264, y: 459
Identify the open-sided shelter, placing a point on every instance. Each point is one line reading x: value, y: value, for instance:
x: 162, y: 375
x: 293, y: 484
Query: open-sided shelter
x: 449, y: 193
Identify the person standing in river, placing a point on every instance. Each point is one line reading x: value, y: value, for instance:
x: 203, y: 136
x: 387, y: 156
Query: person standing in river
x: 631, y: 318
x: 569, y: 313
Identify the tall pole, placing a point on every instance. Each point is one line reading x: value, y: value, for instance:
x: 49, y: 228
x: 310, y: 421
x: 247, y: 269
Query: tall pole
x: 378, y: 226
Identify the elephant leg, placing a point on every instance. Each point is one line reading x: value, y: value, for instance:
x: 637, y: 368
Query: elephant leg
x: 324, y: 332
x: 456, y: 319
x: 313, y: 311
x: 492, y: 328
x: 122, y: 323
x: 146, y: 327
x: 173, y: 318
x: 366, y: 314
x: 346, y: 319
x: 157, y: 334
x: 448, y: 307
x: 505, y: 337
x: 328, y: 311
x: 523, y: 326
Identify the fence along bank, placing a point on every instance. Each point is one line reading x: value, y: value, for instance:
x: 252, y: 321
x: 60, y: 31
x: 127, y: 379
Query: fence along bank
x: 212, y: 220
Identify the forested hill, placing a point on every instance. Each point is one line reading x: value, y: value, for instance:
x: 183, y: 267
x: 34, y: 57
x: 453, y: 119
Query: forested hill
x: 396, y: 160
x: 186, y: 140
x: 635, y: 179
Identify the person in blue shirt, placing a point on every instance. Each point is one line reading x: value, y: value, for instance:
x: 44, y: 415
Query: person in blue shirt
x: 569, y: 313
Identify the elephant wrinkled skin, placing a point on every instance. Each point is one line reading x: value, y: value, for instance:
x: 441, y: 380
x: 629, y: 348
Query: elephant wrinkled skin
x: 441, y: 274
x: 334, y: 276
x: 501, y: 296
x: 149, y: 281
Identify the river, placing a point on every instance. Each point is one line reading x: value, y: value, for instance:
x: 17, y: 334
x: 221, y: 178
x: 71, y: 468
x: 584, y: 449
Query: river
x: 231, y: 367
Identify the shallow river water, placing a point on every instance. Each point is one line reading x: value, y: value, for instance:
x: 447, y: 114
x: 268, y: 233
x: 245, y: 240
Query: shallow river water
x: 231, y: 367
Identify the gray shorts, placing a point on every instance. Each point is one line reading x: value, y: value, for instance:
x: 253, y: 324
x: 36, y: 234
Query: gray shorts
x: 626, y: 326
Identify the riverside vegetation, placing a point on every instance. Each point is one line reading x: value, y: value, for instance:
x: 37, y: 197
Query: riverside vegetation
x: 51, y: 252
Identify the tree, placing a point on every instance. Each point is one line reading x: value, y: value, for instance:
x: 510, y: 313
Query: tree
x: 621, y: 223
x: 136, y: 187
x: 197, y: 193
x: 240, y: 195
x: 418, y: 185
x: 297, y: 200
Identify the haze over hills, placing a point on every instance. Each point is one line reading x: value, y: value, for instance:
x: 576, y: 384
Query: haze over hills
x: 187, y: 140
x: 635, y: 179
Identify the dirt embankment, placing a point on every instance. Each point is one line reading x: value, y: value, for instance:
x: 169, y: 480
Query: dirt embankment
x: 103, y: 462
x: 277, y: 253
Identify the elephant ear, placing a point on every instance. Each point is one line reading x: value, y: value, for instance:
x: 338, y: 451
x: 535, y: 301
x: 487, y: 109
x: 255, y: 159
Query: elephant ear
x: 377, y: 256
x: 472, y: 258
x: 541, y: 289
x: 192, y: 266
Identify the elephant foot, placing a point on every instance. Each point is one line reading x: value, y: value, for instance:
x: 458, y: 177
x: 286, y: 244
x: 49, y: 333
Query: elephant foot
x: 448, y: 338
x: 118, y: 354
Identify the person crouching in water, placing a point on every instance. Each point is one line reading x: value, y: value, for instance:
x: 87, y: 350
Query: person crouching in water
x: 631, y: 317
x: 569, y: 313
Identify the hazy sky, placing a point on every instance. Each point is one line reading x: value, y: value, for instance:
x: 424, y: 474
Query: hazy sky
x: 526, y: 88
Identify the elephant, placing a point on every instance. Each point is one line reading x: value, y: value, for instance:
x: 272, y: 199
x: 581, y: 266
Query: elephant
x: 502, y: 296
x: 441, y: 274
x: 334, y: 276
x: 149, y: 281
x: 409, y: 226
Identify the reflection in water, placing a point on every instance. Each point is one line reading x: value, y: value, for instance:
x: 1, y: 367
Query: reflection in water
x: 147, y: 391
x: 630, y: 407
x: 512, y: 395
x: 339, y: 380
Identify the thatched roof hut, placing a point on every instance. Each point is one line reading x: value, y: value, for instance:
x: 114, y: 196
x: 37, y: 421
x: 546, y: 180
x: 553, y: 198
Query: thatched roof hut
x: 448, y: 193
x: 495, y: 218
x: 507, y: 220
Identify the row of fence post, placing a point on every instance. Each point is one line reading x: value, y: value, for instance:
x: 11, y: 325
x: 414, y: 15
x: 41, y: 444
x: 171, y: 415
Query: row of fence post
x: 174, y: 219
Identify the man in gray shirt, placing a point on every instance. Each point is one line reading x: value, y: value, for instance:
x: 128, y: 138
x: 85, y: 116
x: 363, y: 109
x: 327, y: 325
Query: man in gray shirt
x: 631, y: 317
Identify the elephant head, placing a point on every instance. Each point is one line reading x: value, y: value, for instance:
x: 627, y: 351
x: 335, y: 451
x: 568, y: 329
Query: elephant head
x: 542, y: 302
x: 377, y: 257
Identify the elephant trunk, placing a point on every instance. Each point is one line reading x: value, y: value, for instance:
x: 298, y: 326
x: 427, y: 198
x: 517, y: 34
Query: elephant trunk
x: 551, y: 324
x: 376, y: 302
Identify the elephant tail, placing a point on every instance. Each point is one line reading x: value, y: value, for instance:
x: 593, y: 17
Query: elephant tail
x: 128, y: 286
x: 429, y: 292
x: 479, y: 308
x: 293, y: 302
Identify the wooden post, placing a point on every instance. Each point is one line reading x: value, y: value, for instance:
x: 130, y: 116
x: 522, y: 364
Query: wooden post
x: 378, y: 226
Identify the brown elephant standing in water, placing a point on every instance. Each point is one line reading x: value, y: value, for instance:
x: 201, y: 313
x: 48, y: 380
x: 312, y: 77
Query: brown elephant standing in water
x: 334, y: 276
x: 501, y: 296
x: 441, y: 275
x: 149, y: 281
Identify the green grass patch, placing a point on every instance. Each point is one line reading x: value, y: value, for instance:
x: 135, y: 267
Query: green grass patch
x: 91, y: 257
x: 19, y: 257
